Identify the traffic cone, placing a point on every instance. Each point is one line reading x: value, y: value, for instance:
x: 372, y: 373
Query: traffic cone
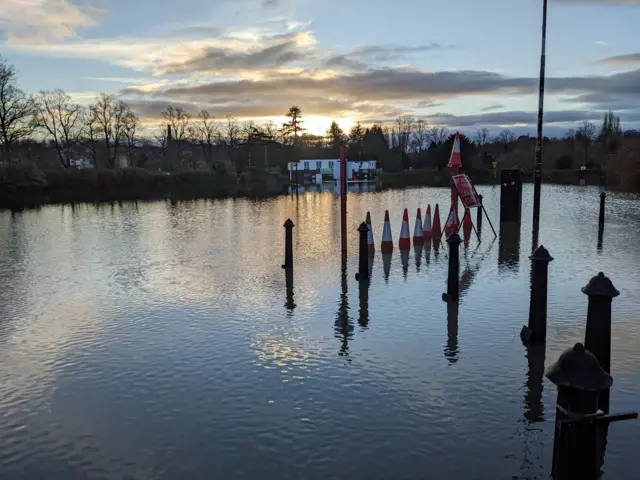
x: 427, y: 223
x: 452, y: 222
x: 387, y: 242
x: 455, y: 160
x: 405, y: 240
x: 467, y: 226
x: 436, y: 229
x: 370, y: 244
x: 418, y: 233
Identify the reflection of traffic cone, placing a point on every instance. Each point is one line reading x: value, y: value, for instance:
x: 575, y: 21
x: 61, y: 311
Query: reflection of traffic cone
x: 404, y: 257
x: 417, y: 254
x: 418, y: 233
x: 427, y: 247
x: 387, y: 241
x: 370, y: 245
x: 436, y: 229
x: 467, y: 226
x: 405, y: 240
x: 427, y: 223
x: 452, y: 222
x: 386, y: 265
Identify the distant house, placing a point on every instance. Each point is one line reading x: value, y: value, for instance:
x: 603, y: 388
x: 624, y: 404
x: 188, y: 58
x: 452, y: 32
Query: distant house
x: 316, y: 172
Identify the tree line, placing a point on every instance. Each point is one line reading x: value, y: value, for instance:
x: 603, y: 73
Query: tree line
x: 108, y: 129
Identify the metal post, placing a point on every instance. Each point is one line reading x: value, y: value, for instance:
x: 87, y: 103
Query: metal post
x: 453, y: 281
x: 288, y: 245
x: 343, y: 198
x: 363, y: 263
x: 603, y: 197
x: 538, y: 306
x: 479, y: 215
x: 597, y: 339
x: 537, y: 180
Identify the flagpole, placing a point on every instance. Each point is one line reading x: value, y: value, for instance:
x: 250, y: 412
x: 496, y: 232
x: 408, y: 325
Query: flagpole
x: 537, y: 179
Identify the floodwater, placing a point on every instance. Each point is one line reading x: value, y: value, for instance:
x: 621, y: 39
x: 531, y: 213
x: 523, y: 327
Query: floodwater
x: 163, y: 341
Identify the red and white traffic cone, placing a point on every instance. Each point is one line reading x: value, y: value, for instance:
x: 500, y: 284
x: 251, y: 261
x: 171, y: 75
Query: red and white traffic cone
x: 467, y: 226
x: 452, y: 222
x: 405, y: 240
x: 437, y: 229
x: 426, y: 227
x: 387, y: 242
x: 370, y: 244
x: 418, y: 233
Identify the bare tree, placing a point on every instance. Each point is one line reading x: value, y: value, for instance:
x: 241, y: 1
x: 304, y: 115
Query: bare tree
x: 586, y: 134
x: 61, y: 121
x: 179, y: 119
x: 482, y: 137
x: 420, y: 138
x: 402, y: 132
x: 232, y: 133
x: 506, y: 137
x: 437, y: 134
x: 18, y: 111
x: 111, y: 117
x: 91, y: 130
x: 130, y: 125
x: 160, y: 138
x: 205, y: 131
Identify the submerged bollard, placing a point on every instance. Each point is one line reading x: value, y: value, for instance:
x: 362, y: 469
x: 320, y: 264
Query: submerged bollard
x: 288, y: 244
x: 479, y: 215
x: 597, y: 339
x: 453, y: 280
x: 536, y: 332
x: 603, y: 196
x: 363, y: 262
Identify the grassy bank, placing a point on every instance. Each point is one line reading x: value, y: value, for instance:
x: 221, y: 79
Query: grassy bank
x: 30, y: 186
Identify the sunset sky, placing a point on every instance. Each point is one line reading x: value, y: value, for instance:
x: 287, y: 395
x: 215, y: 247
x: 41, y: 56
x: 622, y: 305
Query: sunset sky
x: 461, y: 63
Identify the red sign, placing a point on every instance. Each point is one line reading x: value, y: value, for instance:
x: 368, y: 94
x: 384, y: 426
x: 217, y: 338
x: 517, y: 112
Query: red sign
x: 466, y: 192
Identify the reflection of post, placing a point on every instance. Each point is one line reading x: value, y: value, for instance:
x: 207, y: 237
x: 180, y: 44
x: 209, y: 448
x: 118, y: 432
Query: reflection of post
x: 509, y: 246
x: 533, y: 409
x: 404, y: 257
x: 453, y: 281
x: 363, y: 294
x: 427, y: 249
x: 386, y: 265
x: 290, y: 305
x: 343, y: 327
x: 417, y: 251
x: 343, y: 198
x: 451, y: 349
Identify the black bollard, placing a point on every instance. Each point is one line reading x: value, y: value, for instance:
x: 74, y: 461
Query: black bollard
x: 288, y: 244
x: 363, y: 263
x: 579, y: 378
x: 603, y: 196
x: 479, y: 215
x: 598, y: 332
x: 453, y: 281
x: 537, y: 329
x: 511, y: 196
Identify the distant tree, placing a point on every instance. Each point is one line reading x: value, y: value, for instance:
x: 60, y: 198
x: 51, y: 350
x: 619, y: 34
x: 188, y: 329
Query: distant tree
x: 232, y: 134
x: 610, y: 127
x: 586, y: 134
x: 356, y: 134
x: 335, y: 135
x: 437, y: 134
x: 111, y: 118
x: 18, y: 111
x: 565, y: 162
x: 130, y: 130
x: 420, y: 137
x: 402, y: 132
x: 204, y: 131
x: 179, y: 120
x: 91, y: 130
x: 293, y: 128
x: 61, y: 122
x: 160, y: 138
x: 482, y: 137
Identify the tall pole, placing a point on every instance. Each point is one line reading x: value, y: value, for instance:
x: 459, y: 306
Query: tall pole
x: 537, y: 185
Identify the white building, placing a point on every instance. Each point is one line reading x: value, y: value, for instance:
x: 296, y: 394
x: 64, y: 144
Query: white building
x: 307, y: 172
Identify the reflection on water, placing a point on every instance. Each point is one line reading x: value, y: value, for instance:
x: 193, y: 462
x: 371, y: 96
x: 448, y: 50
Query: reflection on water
x: 404, y: 258
x: 137, y: 339
x: 509, y: 247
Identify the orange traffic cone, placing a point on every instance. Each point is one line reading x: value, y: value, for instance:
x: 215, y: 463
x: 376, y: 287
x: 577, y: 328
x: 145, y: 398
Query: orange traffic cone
x: 387, y: 242
x: 370, y: 245
x: 405, y: 240
x: 437, y: 229
x: 418, y: 233
x: 452, y: 222
x: 467, y: 226
x: 427, y: 223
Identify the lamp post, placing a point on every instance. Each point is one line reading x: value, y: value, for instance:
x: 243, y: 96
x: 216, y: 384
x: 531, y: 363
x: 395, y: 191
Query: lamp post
x: 537, y: 185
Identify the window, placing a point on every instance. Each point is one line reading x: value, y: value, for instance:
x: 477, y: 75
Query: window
x: 306, y: 165
x: 331, y: 165
x: 318, y: 165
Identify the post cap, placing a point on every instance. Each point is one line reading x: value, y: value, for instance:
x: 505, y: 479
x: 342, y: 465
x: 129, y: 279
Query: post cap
x: 363, y: 227
x: 541, y: 255
x: 578, y: 368
x: 603, y: 195
x: 454, y: 239
x: 600, y: 286
x: 288, y: 224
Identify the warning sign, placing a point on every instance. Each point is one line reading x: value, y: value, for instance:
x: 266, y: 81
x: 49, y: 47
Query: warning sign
x: 466, y: 192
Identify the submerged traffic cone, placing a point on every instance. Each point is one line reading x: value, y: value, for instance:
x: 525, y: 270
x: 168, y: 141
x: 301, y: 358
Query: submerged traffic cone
x: 405, y: 240
x: 418, y: 233
x: 452, y: 222
x: 437, y: 229
x: 387, y: 242
x: 427, y: 223
x: 371, y: 247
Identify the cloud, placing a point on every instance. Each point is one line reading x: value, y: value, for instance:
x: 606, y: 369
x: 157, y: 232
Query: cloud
x: 496, y: 106
x: 626, y: 60
x: 45, y: 20
x: 364, y: 56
